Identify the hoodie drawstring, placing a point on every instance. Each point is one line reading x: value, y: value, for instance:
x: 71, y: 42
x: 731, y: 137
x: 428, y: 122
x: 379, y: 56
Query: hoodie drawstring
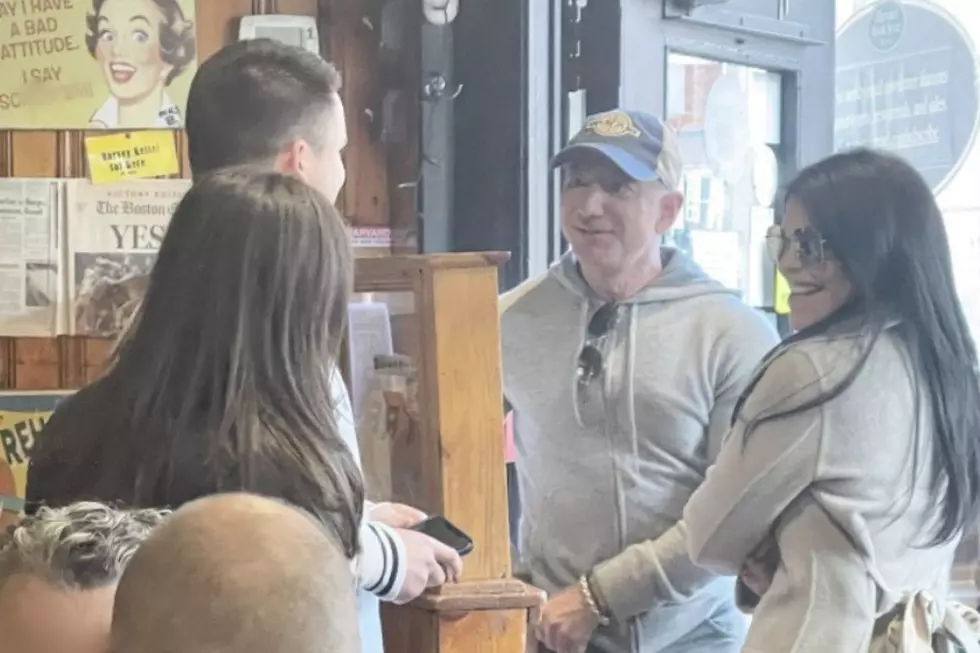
x: 576, y: 386
x: 631, y: 384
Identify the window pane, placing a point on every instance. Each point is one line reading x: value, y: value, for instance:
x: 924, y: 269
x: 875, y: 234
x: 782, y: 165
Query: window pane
x: 728, y: 122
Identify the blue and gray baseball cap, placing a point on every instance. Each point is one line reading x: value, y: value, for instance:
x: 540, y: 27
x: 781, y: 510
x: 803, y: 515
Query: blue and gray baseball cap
x: 638, y: 143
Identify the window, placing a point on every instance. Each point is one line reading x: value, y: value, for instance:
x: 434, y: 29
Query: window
x: 728, y: 119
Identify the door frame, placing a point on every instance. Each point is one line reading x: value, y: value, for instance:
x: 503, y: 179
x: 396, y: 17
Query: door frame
x: 807, y: 63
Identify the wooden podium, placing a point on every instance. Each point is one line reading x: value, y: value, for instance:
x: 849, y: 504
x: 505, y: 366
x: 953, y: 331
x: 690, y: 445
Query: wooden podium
x: 443, y: 311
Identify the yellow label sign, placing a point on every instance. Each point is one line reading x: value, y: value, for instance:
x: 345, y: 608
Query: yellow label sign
x: 131, y: 155
x: 780, y: 300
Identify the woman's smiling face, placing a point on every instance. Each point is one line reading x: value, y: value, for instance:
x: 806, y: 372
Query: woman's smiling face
x: 817, y: 288
x: 128, y: 48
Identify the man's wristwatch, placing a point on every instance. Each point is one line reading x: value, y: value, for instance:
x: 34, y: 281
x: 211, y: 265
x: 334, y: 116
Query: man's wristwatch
x: 586, y: 587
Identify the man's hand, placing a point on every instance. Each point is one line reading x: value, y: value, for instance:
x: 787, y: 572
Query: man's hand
x: 396, y: 515
x: 430, y: 563
x: 566, y: 622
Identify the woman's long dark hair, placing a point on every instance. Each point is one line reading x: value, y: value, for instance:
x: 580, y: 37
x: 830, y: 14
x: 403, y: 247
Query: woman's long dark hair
x: 879, y: 219
x: 223, y: 380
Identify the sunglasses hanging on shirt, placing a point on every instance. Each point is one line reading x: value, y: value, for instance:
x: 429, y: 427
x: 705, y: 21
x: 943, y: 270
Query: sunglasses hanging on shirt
x: 590, y: 360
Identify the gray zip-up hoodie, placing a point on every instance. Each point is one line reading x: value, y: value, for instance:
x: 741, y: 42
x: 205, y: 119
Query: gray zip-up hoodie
x: 605, y: 468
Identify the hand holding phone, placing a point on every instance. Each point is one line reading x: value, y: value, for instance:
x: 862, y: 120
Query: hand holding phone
x: 428, y: 563
x: 443, y: 530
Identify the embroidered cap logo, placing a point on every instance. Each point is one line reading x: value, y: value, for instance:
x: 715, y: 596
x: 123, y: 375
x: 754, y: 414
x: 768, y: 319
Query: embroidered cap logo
x: 612, y: 125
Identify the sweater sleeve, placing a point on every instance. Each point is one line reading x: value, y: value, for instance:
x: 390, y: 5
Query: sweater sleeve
x: 381, y: 565
x: 762, y: 468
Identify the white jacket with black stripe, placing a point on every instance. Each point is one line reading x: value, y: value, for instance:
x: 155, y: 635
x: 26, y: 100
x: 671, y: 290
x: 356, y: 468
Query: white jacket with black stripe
x: 380, y: 568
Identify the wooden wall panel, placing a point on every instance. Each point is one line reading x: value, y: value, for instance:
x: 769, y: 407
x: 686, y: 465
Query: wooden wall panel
x: 34, y: 154
x: 403, y: 160
x: 30, y: 364
x: 298, y: 7
x: 351, y: 44
x: 381, y: 178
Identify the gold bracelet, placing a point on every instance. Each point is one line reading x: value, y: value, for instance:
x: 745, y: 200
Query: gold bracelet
x: 583, y: 584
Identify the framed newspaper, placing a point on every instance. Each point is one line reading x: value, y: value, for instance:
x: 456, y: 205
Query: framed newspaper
x: 31, y: 288
x: 113, y: 234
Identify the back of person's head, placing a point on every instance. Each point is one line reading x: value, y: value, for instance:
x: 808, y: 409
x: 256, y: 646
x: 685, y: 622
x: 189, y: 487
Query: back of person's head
x: 257, y: 99
x: 879, y: 221
x: 58, y: 575
x: 237, y: 574
x: 83, y: 546
x: 222, y: 381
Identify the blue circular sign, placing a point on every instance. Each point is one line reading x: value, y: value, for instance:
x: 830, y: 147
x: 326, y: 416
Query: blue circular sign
x: 907, y: 83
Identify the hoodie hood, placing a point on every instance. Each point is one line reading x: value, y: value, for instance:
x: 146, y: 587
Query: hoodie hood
x: 681, y: 278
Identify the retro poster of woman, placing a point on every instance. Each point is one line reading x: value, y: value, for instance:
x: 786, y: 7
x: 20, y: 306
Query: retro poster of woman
x: 95, y: 64
x: 22, y: 417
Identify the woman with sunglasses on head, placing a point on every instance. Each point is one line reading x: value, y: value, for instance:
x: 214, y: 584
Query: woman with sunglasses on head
x: 853, y: 464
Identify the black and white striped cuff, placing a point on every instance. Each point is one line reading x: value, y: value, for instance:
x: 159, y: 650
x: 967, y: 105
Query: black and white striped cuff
x: 382, y: 564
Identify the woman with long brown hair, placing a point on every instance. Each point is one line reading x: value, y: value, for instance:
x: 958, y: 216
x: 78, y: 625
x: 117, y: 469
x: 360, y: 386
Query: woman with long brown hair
x: 223, y: 380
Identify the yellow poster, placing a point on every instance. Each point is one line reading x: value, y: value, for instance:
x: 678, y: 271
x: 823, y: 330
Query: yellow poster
x: 131, y: 155
x: 95, y: 64
x: 22, y: 416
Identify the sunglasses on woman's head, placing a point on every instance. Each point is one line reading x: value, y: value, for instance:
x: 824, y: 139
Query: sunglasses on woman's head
x: 807, y: 243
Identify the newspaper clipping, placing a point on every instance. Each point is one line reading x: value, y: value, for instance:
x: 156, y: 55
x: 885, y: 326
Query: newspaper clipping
x: 30, y: 257
x: 114, y: 232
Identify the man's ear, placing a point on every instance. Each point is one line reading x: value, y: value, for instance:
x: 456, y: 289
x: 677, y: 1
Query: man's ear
x: 671, y: 204
x: 292, y: 158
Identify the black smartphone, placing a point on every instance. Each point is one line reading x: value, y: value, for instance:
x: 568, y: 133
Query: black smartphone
x: 440, y: 528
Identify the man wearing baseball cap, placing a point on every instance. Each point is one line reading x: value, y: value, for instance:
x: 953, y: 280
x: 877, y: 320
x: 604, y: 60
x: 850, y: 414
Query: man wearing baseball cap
x: 623, y: 364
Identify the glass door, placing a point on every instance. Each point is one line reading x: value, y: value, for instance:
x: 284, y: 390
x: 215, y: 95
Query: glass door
x: 728, y: 119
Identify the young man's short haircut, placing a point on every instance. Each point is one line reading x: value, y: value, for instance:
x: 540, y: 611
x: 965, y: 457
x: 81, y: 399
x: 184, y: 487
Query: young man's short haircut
x: 251, y: 98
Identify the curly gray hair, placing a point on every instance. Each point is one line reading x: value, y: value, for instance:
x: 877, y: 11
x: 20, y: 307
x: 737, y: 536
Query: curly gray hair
x: 85, y: 545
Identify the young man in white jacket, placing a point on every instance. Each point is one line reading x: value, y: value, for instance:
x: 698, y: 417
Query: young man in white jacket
x: 261, y: 101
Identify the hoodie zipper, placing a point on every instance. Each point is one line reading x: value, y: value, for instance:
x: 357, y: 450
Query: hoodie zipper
x: 618, y: 388
x: 611, y: 392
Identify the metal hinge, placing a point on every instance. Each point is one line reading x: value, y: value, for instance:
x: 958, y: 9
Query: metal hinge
x: 782, y: 11
x: 572, y: 41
